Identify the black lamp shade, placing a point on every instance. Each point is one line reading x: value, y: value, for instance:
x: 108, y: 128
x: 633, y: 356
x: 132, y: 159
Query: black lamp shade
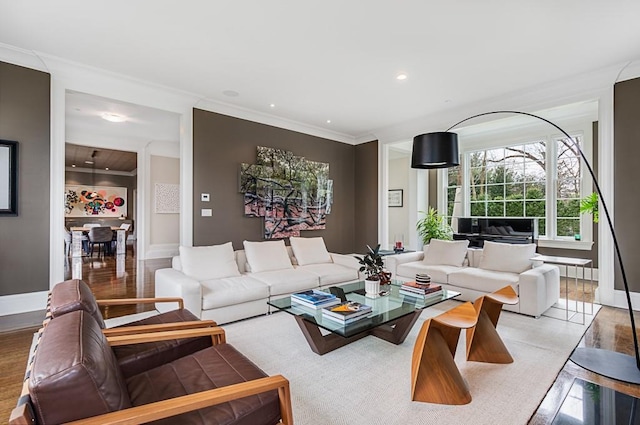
x: 435, y: 150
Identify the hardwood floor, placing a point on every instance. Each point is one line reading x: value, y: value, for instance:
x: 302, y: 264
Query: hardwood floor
x: 131, y: 278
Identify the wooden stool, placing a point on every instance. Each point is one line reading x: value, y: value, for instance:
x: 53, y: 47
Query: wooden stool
x: 483, y: 342
x: 435, y: 378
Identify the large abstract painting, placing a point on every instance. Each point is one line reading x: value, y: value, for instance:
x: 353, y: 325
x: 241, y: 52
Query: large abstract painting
x: 290, y: 192
x: 100, y: 201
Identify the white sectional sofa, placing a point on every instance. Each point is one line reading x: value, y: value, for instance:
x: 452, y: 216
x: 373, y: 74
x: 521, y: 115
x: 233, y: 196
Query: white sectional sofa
x: 475, y: 272
x: 224, y: 285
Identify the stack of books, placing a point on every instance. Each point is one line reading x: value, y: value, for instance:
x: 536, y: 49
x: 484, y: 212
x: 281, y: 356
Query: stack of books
x: 346, y: 312
x: 314, y: 299
x: 420, y: 290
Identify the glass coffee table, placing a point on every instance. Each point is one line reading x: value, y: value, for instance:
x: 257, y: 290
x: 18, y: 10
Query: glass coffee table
x: 391, y: 319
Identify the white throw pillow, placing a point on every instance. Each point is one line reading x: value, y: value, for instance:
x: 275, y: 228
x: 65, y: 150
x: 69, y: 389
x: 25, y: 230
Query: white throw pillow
x: 310, y: 250
x: 506, y: 257
x: 449, y: 253
x: 265, y: 256
x: 209, y: 262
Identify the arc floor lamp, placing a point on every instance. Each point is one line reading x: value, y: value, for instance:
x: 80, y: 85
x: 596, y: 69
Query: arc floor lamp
x: 440, y: 150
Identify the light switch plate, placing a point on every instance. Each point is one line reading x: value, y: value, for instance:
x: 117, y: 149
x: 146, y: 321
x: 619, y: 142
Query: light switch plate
x: 206, y: 212
x: 204, y: 197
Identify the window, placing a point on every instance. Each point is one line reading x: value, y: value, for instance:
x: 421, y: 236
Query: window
x: 539, y: 179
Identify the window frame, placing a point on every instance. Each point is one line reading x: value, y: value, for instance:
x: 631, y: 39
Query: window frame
x: 578, y: 128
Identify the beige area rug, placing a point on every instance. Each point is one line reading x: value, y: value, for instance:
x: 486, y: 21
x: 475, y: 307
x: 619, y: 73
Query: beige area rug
x: 368, y: 381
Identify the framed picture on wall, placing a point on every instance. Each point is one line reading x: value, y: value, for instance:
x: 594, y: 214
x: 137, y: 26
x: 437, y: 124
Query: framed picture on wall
x: 395, y: 197
x: 8, y: 177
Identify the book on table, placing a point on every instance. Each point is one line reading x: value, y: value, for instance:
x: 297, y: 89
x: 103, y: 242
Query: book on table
x: 420, y: 288
x: 433, y: 294
x: 314, y: 299
x: 346, y: 311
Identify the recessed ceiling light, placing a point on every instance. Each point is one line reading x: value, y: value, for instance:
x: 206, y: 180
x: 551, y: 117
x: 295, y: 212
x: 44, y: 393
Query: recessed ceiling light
x: 328, y: 121
x: 231, y: 93
x: 73, y: 165
x: 401, y: 77
x: 113, y: 117
x: 272, y: 105
x: 89, y: 162
x: 106, y: 168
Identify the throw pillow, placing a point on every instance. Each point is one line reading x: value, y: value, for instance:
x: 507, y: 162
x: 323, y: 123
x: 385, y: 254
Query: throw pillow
x: 209, y: 262
x: 450, y: 253
x: 265, y: 256
x: 310, y: 250
x: 505, y: 257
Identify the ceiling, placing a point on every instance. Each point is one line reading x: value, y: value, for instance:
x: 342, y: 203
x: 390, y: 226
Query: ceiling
x: 77, y: 157
x: 333, y: 60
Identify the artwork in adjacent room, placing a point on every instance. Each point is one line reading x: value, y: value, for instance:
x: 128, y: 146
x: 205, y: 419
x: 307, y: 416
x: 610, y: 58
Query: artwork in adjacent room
x: 167, y: 198
x: 290, y: 192
x: 98, y: 201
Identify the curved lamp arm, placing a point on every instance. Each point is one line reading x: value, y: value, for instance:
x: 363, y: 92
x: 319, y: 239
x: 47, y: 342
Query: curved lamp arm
x: 604, y: 207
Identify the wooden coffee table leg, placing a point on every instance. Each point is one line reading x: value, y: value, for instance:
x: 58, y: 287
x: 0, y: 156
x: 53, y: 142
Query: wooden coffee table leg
x: 398, y: 333
x: 322, y: 344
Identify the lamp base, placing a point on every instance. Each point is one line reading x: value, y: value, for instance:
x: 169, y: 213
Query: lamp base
x: 611, y: 364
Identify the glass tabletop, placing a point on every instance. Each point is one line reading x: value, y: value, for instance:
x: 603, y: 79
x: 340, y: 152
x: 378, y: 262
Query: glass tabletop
x: 385, y: 308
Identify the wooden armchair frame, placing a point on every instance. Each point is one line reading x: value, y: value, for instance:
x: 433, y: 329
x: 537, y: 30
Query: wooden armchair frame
x: 23, y: 414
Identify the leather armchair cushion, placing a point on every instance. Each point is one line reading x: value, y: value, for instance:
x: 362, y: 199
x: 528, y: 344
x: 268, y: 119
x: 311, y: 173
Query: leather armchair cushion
x: 72, y: 295
x: 75, y: 374
x: 137, y: 358
x: 214, y: 367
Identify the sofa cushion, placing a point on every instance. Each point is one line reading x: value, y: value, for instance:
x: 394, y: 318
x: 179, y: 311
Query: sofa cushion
x: 209, y: 262
x: 75, y: 374
x: 72, y: 295
x: 330, y: 274
x: 288, y: 281
x: 230, y: 291
x: 309, y: 250
x: 266, y: 256
x: 482, y: 280
x: 448, y: 253
x: 439, y: 274
x: 504, y: 257
x: 217, y: 366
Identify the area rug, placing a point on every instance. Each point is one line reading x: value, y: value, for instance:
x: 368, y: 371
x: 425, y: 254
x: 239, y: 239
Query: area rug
x: 368, y: 381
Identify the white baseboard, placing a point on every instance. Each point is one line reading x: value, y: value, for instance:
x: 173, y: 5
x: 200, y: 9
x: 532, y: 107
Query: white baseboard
x: 161, y: 251
x: 22, y: 303
x: 620, y: 300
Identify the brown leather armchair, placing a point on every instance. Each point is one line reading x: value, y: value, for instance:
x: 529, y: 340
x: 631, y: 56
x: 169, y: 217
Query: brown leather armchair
x: 75, y: 378
x: 75, y: 294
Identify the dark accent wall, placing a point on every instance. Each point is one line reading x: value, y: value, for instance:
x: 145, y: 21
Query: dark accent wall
x: 24, y: 240
x: 576, y: 253
x: 366, y: 196
x: 626, y: 152
x: 221, y: 143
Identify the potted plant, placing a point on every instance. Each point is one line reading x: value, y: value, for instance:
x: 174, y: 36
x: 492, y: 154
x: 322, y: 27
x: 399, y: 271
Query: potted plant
x: 589, y: 205
x: 433, y: 226
x: 373, y: 268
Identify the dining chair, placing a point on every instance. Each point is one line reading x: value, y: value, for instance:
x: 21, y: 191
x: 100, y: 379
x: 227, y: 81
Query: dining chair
x: 102, y: 237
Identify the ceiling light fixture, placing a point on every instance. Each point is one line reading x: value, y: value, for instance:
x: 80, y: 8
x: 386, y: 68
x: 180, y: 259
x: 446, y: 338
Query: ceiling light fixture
x: 401, y: 77
x: 272, y: 105
x: 328, y: 121
x: 111, y: 117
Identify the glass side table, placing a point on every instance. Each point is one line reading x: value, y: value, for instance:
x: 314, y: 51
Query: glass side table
x: 576, y: 263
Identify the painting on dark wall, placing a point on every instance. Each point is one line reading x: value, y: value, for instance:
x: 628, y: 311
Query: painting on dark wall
x: 8, y: 177
x: 290, y: 192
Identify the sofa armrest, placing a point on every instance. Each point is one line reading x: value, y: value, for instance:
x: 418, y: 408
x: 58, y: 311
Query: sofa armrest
x: 539, y: 289
x: 391, y: 262
x: 173, y: 283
